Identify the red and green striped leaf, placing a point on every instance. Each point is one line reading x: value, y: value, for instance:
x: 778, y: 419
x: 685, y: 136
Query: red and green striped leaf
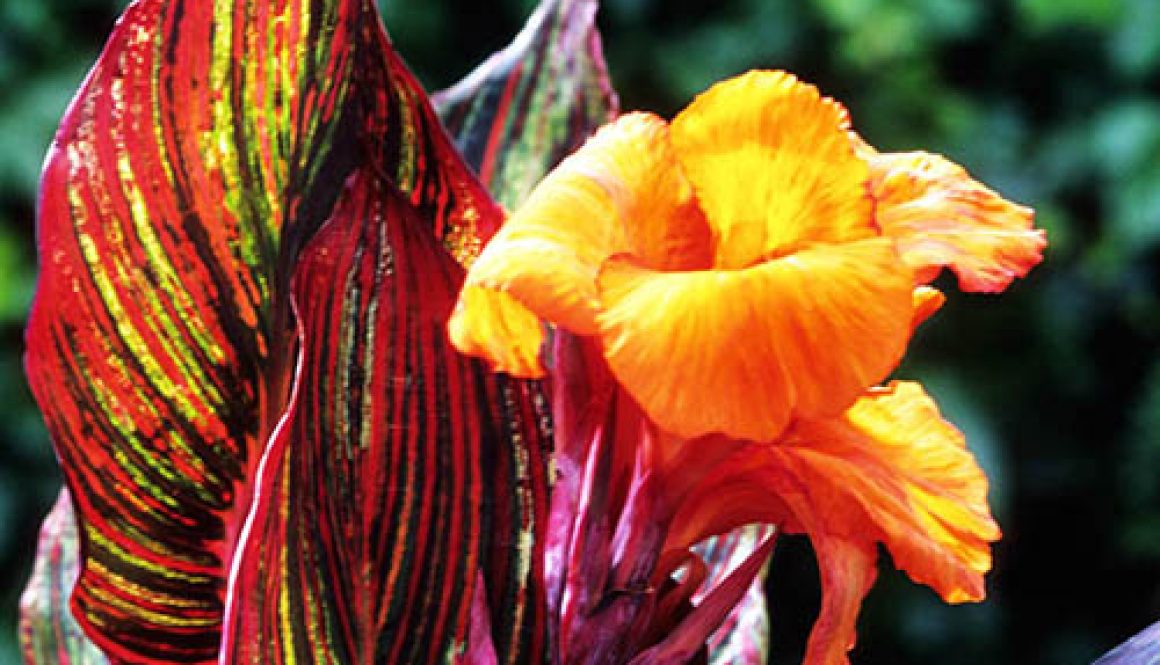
x: 525, y: 108
x: 400, y: 136
x: 204, y: 151
x: 190, y: 166
x: 376, y: 509
x: 441, y: 205
x: 48, y: 632
x: 207, y: 145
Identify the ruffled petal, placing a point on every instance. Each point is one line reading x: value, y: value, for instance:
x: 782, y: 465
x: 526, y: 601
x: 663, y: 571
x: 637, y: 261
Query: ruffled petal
x: 773, y: 167
x: 892, y: 470
x: 942, y: 217
x: 742, y: 352
x: 621, y: 192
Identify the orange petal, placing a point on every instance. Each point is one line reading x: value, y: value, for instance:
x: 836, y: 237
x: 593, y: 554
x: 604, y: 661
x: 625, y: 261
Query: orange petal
x: 892, y: 470
x: 725, y: 493
x: 927, y: 301
x: 773, y: 167
x: 621, y: 192
x: 848, y: 569
x: 662, y: 223
x: 742, y: 352
x: 766, y: 483
x: 492, y: 325
x: 942, y: 217
x: 889, y: 470
x: 542, y: 274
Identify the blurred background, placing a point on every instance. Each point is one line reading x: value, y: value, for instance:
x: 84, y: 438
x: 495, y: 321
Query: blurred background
x: 1055, y: 103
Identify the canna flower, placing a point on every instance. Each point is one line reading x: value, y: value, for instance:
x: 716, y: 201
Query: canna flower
x: 751, y: 273
x: 755, y: 252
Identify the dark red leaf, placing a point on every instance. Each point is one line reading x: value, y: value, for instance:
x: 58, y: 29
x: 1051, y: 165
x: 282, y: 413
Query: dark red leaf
x: 480, y: 649
x: 743, y: 638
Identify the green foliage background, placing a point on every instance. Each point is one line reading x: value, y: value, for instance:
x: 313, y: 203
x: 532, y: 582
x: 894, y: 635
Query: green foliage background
x: 1055, y: 103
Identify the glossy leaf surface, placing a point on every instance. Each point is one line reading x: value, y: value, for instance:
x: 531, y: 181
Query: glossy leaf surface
x: 203, y: 152
x: 694, y: 631
x: 507, y: 447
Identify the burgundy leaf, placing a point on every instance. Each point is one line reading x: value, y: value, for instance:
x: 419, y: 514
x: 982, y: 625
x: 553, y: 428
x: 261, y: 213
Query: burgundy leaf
x: 480, y: 648
x: 694, y: 631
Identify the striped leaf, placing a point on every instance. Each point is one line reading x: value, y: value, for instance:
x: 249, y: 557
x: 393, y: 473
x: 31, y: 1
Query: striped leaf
x: 206, y: 147
x: 203, y: 152
x: 376, y: 495
x: 488, y: 480
x: 48, y: 632
x: 525, y: 108
x: 183, y: 177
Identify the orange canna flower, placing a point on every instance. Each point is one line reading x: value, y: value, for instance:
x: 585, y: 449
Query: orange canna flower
x: 756, y: 226
x: 753, y: 270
